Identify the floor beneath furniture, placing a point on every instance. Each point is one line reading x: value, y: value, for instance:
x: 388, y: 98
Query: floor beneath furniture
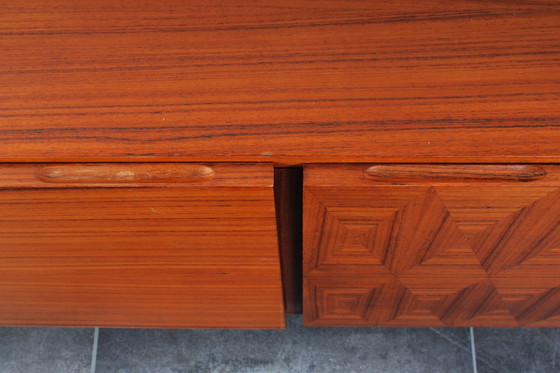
x: 294, y: 350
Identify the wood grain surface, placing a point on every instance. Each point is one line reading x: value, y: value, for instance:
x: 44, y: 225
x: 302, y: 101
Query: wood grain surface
x: 462, y: 172
x: 282, y: 81
x: 95, y: 175
x: 194, y: 255
x: 430, y: 252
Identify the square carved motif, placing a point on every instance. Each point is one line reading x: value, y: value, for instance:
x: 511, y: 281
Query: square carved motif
x: 440, y: 256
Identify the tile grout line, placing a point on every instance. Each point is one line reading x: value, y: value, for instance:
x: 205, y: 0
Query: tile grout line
x: 473, y: 350
x: 435, y: 330
x: 94, y: 349
x: 461, y: 346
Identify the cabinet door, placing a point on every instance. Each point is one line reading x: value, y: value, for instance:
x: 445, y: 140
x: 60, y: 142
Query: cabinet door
x: 139, y: 245
x: 432, y: 245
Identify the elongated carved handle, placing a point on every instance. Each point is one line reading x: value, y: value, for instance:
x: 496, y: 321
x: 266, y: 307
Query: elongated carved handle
x: 125, y: 173
x: 454, y: 172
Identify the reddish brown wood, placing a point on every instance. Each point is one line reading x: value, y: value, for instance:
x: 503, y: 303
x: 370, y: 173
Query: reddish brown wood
x: 430, y: 252
x: 284, y: 81
x: 476, y: 172
x: 184, y: 255
x: 288, y: 183
x: 99, y: 174
x: 94, y: 175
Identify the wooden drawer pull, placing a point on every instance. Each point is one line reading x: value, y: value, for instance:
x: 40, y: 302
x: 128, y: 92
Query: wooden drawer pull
x: 128, y: 173
x: 454, y: 172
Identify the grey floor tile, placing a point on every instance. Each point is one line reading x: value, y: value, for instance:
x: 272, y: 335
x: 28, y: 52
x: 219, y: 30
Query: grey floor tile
x: 45, y: 350
x: 518, y: 350
x: 457, y: 336
x: 295, y: 350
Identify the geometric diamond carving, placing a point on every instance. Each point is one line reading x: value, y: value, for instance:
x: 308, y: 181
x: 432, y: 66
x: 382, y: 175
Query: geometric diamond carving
x: 530, y: 232
x: 356, y: 239
x: 455, y: 255
x: 351, y: 243
x: 415, y: 233
x: 410, y: 308
x: 347, y: 304
x: 538, y: 308
x: 478, y: 304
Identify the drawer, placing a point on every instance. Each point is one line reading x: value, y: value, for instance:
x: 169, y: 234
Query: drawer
x: 432, y: 245
x: 147, y: 245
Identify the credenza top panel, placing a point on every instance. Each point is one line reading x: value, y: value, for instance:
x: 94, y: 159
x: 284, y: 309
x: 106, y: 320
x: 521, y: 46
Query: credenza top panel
x: 282, y: 81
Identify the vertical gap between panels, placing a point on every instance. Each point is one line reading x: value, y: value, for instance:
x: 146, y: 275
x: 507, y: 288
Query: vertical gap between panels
x: 288, y: 190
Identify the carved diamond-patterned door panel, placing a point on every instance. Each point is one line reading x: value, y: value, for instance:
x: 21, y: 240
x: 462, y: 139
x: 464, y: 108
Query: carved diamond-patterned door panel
x: 452, y: 246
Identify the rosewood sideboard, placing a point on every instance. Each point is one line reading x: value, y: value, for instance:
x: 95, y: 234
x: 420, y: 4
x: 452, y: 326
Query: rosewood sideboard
x: 196, y: 164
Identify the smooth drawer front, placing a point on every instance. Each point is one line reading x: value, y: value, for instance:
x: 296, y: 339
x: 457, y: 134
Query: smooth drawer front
x: 432, y: 245
x: 161, y: 245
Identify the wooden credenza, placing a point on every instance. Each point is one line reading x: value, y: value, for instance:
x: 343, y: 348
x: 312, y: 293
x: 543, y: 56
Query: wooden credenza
x: 185, y: 164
